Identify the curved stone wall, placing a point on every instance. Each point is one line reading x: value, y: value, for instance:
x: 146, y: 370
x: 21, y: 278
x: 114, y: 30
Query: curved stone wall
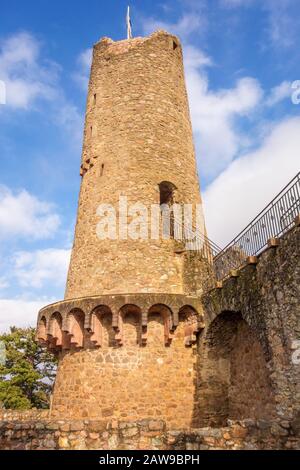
x: 137, y: 135
x: 124, y: 357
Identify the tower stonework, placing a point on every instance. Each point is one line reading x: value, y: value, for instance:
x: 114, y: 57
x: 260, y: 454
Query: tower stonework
x: 137, y: 135
x: 126, y: 331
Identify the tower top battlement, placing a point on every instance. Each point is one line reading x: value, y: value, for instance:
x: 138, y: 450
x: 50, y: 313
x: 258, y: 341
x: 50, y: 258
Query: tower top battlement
x: 110, y: 46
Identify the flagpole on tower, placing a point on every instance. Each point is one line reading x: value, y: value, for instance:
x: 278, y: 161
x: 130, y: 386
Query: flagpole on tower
x: 129, y: 25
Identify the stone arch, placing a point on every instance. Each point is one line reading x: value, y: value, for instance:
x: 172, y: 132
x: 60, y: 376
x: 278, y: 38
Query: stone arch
x: 75, y: 328
x: 159, y: 325
x: 55, y: 331
x: 130, y: 326
x: 42, y: 330
x: 102, y: 333
x: 233, y: 378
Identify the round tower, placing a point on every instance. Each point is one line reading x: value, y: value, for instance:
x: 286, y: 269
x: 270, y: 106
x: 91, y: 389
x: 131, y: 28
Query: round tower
x: 137, y: 135
x: 126, y: 329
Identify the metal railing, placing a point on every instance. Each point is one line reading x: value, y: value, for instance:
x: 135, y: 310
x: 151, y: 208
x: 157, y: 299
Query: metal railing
x: 195, y: 242
x: 276, y: 219
x: 272, y: 222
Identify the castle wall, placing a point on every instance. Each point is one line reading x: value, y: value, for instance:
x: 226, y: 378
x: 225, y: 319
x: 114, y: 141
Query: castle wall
x: 233, y: 377
x: 131, y: 382
x: 255, y: 317
x: 259, y: 374
x: 137, y: 134
x: 144, y: 435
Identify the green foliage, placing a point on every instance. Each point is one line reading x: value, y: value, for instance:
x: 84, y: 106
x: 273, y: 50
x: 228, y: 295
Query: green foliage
x: 27, y: 375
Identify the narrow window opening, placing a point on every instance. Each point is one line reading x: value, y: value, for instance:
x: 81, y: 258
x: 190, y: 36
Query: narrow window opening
x: 91, y: 131
x: 175, y: 45
x: 102, y: 169
x: 95, y: 98
x: 167, y: 193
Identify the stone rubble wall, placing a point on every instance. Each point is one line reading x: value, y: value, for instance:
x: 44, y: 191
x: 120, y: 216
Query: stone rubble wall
x: 23, y: 415
x: 267, y: 297
x: 130, y: 383
x: 142, y: 435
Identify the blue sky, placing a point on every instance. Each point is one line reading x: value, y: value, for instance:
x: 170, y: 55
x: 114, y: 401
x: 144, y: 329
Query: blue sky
x: 241, y: 58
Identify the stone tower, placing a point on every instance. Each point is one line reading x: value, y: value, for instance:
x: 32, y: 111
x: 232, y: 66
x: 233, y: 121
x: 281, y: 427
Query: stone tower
x: 126, y: 330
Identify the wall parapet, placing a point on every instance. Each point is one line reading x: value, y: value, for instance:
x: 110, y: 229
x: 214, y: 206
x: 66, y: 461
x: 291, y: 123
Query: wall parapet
x: 76, y: 323
x: 143, y: 435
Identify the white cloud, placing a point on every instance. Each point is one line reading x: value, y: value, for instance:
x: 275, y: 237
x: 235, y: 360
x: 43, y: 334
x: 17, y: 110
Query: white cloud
x: 279, y: 93
x: 194, y: 58
x: 188, y: 24
x: 248, y: 184
x: 84, y: 62
x: 214, y: 113
x: 20, y: 313
x: 26, y: 77
x: 41, y: 267
x: 23, y: 215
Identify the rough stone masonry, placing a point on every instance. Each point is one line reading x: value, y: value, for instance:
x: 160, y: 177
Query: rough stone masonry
x: 149, y: 356
x: 126, y: 330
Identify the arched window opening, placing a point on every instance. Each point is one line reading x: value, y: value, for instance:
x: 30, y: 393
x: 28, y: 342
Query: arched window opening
x: 167, y: 199
x: 102, y: 333
x: 167, y: 193
x: 42, y: 333
x: 76, y: 328
x: 130, y: 326
x: 159, y: 328
x: 55, y: 330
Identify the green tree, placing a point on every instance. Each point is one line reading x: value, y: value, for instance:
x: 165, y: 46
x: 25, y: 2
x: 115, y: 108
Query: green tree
x: 27, y: 371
